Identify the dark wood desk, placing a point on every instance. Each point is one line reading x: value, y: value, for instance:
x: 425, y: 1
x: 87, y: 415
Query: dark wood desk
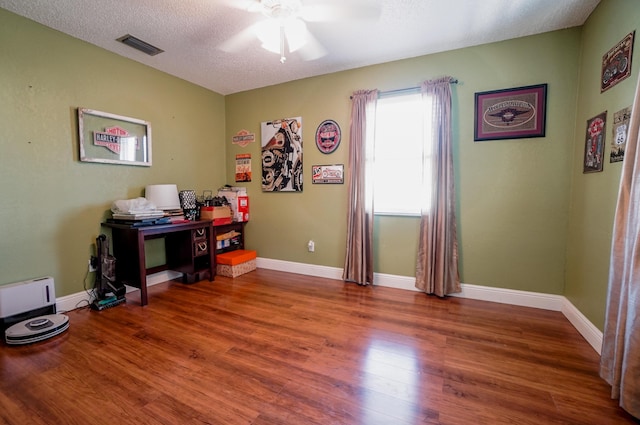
x: 190, y: 249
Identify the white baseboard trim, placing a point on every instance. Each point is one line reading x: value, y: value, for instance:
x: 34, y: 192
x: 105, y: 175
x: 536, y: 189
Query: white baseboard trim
x: 300, y: 268
x: 73, y: 301
x: 83, y: 299
x: 475, y: 292
x: 512, y: 297
x: 588, y: 330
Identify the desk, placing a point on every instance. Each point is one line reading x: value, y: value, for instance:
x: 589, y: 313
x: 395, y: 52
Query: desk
x: 190, y: 249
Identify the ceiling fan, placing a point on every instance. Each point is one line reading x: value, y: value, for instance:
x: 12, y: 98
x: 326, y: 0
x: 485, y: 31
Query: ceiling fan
x: 282, y: 28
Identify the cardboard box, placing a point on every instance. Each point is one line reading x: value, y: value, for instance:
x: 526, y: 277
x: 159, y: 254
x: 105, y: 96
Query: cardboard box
x: 228, y: 239
x: 239, y: 202
x: 236, y: 263
x: 216, y: 213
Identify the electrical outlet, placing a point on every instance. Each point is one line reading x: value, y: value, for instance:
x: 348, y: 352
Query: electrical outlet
x: 92, y: 264
x: 311, y: 246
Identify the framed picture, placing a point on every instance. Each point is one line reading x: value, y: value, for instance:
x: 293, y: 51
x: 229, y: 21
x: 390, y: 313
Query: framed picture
x: 327, y: 174
x: 616, y: 63
x: 113, y: 139
x: 594, y: 143
x: 510, y: 113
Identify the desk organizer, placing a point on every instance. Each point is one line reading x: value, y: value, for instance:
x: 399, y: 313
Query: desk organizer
x: 236, y: 263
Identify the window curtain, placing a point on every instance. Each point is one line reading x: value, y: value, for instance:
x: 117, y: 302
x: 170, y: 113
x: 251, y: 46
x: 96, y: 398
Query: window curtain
x: 358, y: 263
x: 620, y: 358
x: 437, y: 263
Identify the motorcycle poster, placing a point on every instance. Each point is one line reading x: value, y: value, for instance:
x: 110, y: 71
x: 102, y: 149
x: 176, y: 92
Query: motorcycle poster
x: 616, y: 63
x: 282, y: 155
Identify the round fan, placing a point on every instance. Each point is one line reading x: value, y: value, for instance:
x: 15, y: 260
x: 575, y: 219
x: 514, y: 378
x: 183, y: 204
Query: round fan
x: 281, y: 27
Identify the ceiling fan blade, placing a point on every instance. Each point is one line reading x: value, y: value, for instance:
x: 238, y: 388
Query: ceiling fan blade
x: 328, y: 12
x: 313, y: 49
x: 248, y: 5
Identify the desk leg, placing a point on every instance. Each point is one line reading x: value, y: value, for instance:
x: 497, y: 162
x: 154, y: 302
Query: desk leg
x: 142, y: 269
x: 212, y: 254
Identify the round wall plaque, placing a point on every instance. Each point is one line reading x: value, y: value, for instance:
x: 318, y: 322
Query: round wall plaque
x: 328, y: 136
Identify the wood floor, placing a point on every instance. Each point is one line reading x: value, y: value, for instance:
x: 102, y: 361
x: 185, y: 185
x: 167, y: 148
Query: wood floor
x: 277, y: 348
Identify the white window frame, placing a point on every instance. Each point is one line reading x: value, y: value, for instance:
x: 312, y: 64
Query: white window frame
x: 401, y: 190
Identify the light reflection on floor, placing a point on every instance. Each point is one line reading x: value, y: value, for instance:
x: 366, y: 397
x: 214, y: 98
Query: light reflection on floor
x: 392, y: 376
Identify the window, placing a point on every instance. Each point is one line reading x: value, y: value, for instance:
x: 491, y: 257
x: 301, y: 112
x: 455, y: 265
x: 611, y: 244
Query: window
x: 399, y: 151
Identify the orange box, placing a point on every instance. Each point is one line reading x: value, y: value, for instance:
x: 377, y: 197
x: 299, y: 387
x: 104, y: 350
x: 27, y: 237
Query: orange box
x: 233, y: 258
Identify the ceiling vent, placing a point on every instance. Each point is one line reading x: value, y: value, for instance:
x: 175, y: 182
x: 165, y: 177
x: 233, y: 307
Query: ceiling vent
x: 138, y: 44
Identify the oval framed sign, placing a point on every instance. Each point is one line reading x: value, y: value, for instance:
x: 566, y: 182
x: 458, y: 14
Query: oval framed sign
x: 328, y: 136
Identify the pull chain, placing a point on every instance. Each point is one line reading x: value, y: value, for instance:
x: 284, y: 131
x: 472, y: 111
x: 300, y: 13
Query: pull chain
x: 282, y: 58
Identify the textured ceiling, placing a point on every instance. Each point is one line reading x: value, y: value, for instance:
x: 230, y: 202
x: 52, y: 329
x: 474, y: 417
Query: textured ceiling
x: 195, y: 34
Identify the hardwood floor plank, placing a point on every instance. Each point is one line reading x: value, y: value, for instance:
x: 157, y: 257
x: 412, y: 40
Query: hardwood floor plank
x: 274, y: 348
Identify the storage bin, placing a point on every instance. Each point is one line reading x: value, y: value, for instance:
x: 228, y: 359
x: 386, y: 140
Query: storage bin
x: 236, y: 263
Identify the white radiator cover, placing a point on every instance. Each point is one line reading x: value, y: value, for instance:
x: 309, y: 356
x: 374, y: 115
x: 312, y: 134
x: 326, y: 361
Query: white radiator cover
x: 21, y: 297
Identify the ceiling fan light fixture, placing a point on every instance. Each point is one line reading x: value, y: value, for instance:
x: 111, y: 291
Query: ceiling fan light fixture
x: 281, y: 9
x: 268, y: 32
x: 273, y: 33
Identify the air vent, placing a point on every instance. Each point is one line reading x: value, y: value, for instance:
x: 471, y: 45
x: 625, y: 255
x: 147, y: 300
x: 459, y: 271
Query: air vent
x: 138, y: 44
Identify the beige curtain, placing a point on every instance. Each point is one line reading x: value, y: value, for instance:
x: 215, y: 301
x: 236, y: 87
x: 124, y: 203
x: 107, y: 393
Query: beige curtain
x: 358, y: 263
x: 620, y: 358
x: 437, y: 264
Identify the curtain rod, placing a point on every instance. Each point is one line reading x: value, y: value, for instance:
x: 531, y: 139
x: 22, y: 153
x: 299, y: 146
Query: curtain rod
x: 407, y: 89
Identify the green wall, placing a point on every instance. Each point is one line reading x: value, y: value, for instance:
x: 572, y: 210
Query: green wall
x: 528, y: 218
x: 593, y: 196
x: 513, y: 194
x: 52, y: 204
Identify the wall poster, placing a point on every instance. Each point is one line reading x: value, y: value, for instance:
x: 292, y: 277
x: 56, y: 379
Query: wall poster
x: 616, y: 63
x: 243, y: 167
x: 620, y: 133
x: 282, y: 155
x: 594, y: 143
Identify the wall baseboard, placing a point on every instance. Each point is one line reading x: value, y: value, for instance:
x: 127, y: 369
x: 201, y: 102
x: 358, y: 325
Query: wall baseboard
x: 475, y: 292
x: 588, y: 330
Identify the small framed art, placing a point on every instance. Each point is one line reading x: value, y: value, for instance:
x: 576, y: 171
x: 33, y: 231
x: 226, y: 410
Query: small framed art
x: 327, y: 174
x: 594, y: 143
